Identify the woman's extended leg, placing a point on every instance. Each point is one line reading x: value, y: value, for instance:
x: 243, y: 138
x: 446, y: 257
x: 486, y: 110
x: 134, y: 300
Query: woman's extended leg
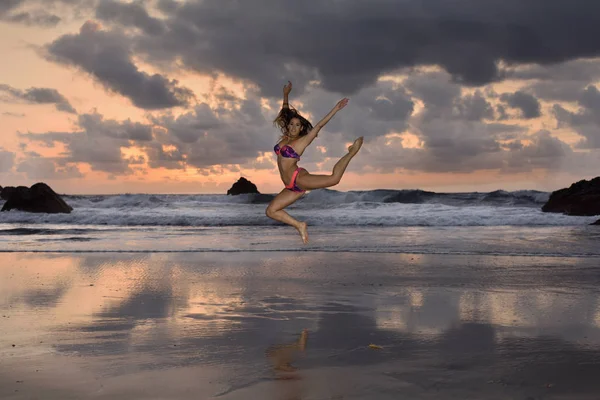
x: 275, y: 211
x: 308, y: 181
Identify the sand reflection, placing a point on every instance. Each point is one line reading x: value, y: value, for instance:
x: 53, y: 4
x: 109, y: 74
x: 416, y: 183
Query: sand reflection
x: 227, y: 314
x: 281, y: 356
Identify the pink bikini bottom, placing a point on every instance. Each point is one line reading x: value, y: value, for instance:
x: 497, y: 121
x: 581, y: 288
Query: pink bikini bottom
x: 292, y: 185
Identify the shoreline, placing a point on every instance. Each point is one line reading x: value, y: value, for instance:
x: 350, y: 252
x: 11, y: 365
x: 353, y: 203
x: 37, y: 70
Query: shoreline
x: 526, y: 241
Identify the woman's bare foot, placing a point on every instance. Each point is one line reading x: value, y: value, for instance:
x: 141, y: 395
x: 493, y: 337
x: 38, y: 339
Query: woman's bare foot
x: 355, y: 147
x: 303, y: 230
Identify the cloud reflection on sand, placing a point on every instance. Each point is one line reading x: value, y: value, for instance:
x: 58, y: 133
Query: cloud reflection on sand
x: 123, y: 314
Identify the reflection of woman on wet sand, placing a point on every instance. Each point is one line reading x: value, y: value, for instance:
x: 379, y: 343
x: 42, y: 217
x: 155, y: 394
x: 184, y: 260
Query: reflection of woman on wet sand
x: 298, y: 133
x: 282, y: 355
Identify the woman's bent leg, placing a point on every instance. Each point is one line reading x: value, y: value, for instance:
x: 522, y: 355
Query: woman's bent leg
x: 275, y: 211
x: 308, y: 181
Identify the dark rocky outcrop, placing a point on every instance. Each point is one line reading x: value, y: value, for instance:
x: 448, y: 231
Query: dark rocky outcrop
x: 581, y: 198
x: 7, y: 192
x: 242, y: 186
x: 596, y: 223
x: 39, y: 198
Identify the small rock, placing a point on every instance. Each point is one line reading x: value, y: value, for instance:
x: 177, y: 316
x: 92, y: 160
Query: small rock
x: 242, y: 186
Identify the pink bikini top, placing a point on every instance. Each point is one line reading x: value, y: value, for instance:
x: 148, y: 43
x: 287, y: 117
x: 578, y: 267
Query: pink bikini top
x: 286, y: 151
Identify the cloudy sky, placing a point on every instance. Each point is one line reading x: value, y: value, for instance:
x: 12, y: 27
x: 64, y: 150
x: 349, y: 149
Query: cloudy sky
x: 165, y: 96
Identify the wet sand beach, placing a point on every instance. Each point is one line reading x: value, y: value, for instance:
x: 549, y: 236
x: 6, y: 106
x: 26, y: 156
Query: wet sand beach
x: 300, y: 325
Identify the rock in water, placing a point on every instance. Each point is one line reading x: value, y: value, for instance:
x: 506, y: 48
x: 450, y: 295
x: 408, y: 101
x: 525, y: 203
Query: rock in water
x: 596, y: 223
x: 40, y: 198
x: 6, y: 192
x: 242, y: 186
x: 581, y: 198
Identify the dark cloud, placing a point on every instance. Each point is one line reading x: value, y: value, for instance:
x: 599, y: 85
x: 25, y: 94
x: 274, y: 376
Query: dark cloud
x: 200, y: 138
x: 107, y: 56
x: 458, y: 146
x: 453, y: 131
x: 545, y: 146
x: 530, y: 106
x: 590, y: 98
x: 37, y: 167
x: 192, y: 126
x: 437, y: 93
x: 585, y: 121
x: 502, y: 114
x: 391, y: 105
x: 167, y: 6
x: 39, y: 17
x: 474, y: 107
x: 444, y: 98
x: 39, y: 96
x: 454, y: 136
x: 129, y: 14
x: 159, y: 157
x: 8, y: 5
x: 584, y: 70
x: 506, y: 131
x: 542, y: 152
x: 372, y: 112
x: 99, y: 142
x: 235, y: 136
x: 558, y: 82
x: 565, y: 91
x: 458, y: 151
x: 348, y: 45
x: 7, y: 160
x: 125, y: 130
x: 10, y: 12
x: 513, y: 146
x: 42, y: 13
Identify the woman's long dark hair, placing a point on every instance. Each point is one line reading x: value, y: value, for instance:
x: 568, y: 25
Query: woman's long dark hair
x: 285, y: 116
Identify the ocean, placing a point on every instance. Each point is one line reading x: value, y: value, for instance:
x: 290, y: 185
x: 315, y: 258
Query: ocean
x: 377, y: 221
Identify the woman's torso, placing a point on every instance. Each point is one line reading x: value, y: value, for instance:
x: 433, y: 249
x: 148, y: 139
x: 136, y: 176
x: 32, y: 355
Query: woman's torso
x: 287, y: 159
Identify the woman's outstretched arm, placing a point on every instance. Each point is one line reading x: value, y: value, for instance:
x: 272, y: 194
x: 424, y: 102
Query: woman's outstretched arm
x: 306, y: 140
x: 281, y: 119
x: 341, y: 104
x: 286, y: 91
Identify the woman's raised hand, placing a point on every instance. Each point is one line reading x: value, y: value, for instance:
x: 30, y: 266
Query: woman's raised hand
x: 341, y: 104
x: 287, y: 88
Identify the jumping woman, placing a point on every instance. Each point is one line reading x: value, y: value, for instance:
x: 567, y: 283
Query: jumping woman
x: 298, y: 133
